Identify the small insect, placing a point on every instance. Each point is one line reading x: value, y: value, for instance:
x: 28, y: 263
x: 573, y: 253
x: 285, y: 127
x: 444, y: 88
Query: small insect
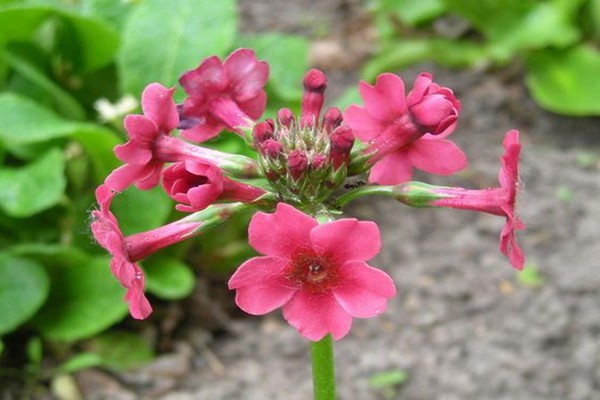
x: 355, y: 184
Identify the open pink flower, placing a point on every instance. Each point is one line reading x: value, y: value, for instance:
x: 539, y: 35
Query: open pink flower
x: 318, y: 273
x: 402, y: 132
x: 127, y: 250
x: 223, y: 94
x: 497, y: 201
x: 142, y: 165
x: 196, y: 185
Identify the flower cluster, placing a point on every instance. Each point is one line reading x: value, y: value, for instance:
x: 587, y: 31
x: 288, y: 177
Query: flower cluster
x: 312, y: 265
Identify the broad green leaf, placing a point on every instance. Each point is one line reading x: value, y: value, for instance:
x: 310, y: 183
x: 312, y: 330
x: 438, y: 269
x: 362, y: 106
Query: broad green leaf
x: 24, y: 122
x: 33, y: 188
x: 169, y: 279
x: 113, y: 12
x: 1, y: 347
x: 121, y: 350
x: 566, y: 81
x: 23, y: 289
x: 93, y: 43
x: 410, y: 11
x: 63, y: 101
x: 594, y: 15
x: 453, y: 53
x: 139, y: 210
x: 163, y: 39
x: 84, y: 299
x: 35, y: 351
x: 285, y: 77
x: 98, y: 143
x: 79, y: 362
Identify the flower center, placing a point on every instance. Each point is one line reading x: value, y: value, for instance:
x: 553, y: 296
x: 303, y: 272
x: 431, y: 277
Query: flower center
x: 313, y: 273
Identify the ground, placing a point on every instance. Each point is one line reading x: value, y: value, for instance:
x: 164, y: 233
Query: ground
x: 462, y: 325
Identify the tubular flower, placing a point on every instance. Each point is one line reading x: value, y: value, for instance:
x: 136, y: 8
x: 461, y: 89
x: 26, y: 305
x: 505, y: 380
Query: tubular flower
x: 497, y: 201
x: 142, y: 165
x: 406, y: 132
x: 317, y: 273
x: 223, y: 94
x: 127, y: 250
x: 198, y: 184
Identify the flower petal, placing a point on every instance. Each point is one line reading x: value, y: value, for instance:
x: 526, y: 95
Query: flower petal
x: 314, y: 316
x: 347, y: 240
x: 376, y: 103
x: 392, y: 169
x: 363, y: 291
x: 203, y: 131
x: 392, y: 87
x: 509, y: 245
x: 364, y: 126
x: 255, y: 106
x: 441, y: 157
x: 247, y: 76
x: 281, y: 233
x: 260, y: 285
x: 158, y: 105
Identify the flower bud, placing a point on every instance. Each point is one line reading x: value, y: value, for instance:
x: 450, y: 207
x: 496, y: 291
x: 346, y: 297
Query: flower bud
x: 285, y: 117
x: 271, y: 148
x: 263, y: 131
x: 297, y: 163
x: 342, y: 140
x: 332, y: 119
x: 315, y: 84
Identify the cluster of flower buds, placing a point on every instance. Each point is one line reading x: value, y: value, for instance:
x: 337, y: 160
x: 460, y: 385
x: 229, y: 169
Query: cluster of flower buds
x: 313, y: 266
x: 305, y: 158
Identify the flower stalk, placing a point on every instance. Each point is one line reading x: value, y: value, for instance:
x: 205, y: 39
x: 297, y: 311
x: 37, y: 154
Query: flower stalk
x: 323, y: 369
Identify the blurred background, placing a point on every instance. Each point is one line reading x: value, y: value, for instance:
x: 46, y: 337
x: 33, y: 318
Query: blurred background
x: 464, y: 325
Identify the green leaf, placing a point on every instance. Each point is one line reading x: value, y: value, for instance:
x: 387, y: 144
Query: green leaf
x: 79, y: 362
x: 566, y: 81
x: 33, y: 188
x: 84, y: 300
x: 388, y: 378
x: 98, y: 143
x: 285, y: 77
x: 121, y: 350
x: 63, y: 101
x: 399, y: 55
x: 23, y: 289
x: 113, y: 12
x: 35, y: 351
x: 530, y: 276
x: 24, y: 122
x: 410, y: 11
x: 163, y: 39
x: 139, y: 210
x: 169, y: 279
x: 1, y: 347
x: 350, y: 96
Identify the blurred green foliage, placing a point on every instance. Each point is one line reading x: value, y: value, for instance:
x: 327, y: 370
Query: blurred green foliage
x: 57, y: 59
x: 555, y: 40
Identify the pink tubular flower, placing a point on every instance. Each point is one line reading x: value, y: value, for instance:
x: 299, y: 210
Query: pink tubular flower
x: 127, y: 250
x: 318, y: 273
x: 497, y: 201
x: 142, y: 164
x: 229, y: 94
x: 403, y: 133
x: 198, y: 184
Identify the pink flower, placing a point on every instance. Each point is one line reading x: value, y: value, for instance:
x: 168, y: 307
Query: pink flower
x: 127, y: 250
x: 229, y: 94
x: 318, y: 273
x: 143, y: 166
x: 403, y: 133
x: 198, y: 184
x: 497, y: 201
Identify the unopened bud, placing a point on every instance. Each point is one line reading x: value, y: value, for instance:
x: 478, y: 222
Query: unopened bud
x: 285, y: 117
x: 297, y: 163
x: 271, y: 148
x: 342, y: 140
x: 315, y: 83
x: 332, y: 119
x: 263, y: 131
x: 318, y: 161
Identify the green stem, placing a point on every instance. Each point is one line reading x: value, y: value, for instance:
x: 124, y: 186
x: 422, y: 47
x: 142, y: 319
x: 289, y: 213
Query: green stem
x: 323, y: 369
x: 363, y: 191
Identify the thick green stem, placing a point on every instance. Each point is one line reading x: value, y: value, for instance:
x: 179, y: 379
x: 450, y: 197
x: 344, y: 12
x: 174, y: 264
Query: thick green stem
x: 323, y: 369
x: 364, y: 191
